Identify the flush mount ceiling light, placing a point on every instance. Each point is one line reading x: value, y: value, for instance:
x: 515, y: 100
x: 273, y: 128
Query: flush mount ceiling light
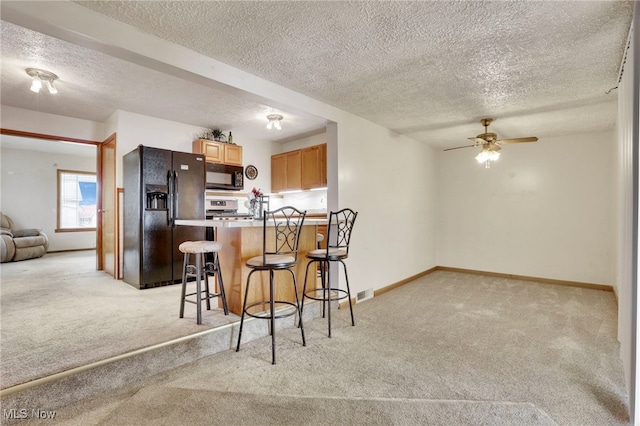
x: 274, y: 121
x: 41, y: 76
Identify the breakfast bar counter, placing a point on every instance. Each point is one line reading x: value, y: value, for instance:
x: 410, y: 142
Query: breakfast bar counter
x: 241, y: 240
x: 241, y: 223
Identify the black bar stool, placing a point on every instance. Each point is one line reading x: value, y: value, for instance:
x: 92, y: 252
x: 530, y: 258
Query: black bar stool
x: 278, y: 254
x: 338, y: 238
x: 200, y: 269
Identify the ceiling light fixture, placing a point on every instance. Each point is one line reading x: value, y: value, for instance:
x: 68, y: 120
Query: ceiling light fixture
x: 51, y: 87
x: 36, y: 84
x: 274, y: 121
x: 40, y: 76
x: 486, y: 156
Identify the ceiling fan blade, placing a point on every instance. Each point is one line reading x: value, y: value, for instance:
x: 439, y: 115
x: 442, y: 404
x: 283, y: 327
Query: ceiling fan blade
x: 458, y: 147
x: 518, y: 140
x: 477, y: 140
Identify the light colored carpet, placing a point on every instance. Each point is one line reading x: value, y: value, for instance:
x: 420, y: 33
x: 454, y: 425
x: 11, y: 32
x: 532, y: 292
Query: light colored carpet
x: 446, y: 349
x: 57, y: 312
x: 171, y: 406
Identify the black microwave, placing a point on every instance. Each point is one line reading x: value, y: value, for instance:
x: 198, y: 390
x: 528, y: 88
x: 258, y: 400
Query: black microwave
x: 224, y: 176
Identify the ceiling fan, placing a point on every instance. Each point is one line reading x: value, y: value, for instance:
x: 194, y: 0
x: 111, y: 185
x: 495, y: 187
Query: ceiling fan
x: 491, y: 144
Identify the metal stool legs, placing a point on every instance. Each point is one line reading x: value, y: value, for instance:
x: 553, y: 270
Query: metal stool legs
x: 213, y: 269
x: 200, y: 271
x: 326, y: 298
x: 272, y: 315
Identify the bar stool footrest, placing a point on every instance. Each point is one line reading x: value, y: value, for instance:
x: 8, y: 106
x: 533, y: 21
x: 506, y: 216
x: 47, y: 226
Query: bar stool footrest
x: 341, y: 294
x: 209, y: 296
x: 275, y: 302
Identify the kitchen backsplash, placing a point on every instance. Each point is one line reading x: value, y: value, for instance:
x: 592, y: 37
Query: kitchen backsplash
x: 312, y: 201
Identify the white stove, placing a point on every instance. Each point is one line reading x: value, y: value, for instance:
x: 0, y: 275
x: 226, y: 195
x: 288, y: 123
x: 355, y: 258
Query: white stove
x: 223, y: 209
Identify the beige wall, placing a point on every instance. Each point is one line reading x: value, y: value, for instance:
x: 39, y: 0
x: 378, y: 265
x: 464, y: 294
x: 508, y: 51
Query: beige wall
x: 29, y: 193
x: 51, y: 124
x: 544, y: 209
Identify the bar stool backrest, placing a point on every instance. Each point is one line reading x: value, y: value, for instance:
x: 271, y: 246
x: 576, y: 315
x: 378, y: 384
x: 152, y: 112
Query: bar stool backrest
x: 339, y: 230
x: 287, y: 225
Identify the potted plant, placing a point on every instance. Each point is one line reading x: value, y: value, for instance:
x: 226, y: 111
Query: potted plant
x: 214, y: 135
x: 218, y: 135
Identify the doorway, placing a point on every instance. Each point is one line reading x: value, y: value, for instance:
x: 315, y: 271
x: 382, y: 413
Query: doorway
x: 29, y: 185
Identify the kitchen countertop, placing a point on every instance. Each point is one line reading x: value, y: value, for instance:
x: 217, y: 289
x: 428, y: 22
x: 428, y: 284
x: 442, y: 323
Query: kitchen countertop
x: 241, y: 240
x: 316, y: 212
x: 239, y: 223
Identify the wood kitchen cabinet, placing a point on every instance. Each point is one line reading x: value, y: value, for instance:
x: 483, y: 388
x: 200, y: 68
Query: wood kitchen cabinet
x: 300, y: 169
x: 286, y: 171
x: 323, y: 164
x: 278, y: 172
x: 239, y: 244
x: 314, y: 166
x: 218, y: 152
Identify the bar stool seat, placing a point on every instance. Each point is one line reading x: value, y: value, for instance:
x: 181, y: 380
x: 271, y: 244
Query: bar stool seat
x: 333, y: 255
x: 194, y: 247
x: 271, y: 260
x: 199, y: 270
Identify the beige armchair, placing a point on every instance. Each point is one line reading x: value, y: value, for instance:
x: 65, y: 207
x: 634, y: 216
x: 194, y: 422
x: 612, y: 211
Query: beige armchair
x: 20, y: 244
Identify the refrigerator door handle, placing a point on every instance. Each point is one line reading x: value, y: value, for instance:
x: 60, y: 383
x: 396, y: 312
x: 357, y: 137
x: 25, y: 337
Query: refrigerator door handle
x: 175, y: 198
x: 170, y: 200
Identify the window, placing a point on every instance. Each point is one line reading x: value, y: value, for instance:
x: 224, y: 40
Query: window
x: 77, y: 195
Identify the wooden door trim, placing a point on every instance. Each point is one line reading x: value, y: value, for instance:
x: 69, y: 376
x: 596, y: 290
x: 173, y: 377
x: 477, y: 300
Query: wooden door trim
x: 46, y: 136
x: 100, y: 207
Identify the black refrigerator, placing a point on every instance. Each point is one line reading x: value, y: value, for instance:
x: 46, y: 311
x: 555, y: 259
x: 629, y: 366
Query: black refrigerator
x: 160, y: 186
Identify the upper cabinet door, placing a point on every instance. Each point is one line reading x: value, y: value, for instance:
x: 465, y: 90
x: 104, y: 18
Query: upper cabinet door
x: 212, y: 151
x: 278, y: 172
x: 311, y: 176
x: 314, y: 167
x: 232, y: 154
x: 323, y: 164
x: 294, y: 172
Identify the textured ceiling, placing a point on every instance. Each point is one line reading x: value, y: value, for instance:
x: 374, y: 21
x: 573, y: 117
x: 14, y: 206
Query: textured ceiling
x: 429, y: 70
x: 93, y: 85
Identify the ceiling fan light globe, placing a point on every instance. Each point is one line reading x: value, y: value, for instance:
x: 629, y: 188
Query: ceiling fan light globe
x: 36, y: 84
x: 51, y: 87
x: 482, y: 156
